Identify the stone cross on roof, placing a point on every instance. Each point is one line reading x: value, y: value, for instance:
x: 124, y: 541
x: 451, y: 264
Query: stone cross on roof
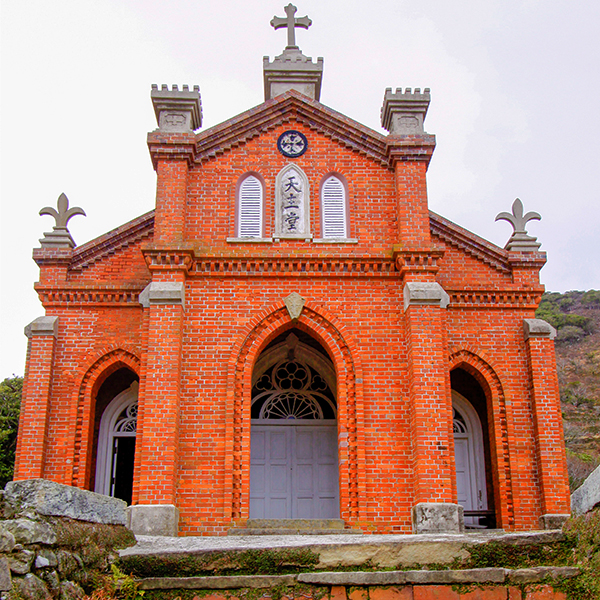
x: 291, y: 23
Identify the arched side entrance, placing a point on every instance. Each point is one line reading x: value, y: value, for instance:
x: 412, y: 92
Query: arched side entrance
x: 469, y: 455
x: 293, y: 442
x: 116, y: 445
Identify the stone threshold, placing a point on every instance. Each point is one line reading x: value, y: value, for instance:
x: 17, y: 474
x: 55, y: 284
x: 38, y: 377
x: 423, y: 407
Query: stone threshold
x: 293, y: 527
x: 364, y: 578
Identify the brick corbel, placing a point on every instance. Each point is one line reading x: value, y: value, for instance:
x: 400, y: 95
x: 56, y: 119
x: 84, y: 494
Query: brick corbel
x: 402, y: 148
x: 172, y: 146
x: 423, y: 262
x: 169, y: 258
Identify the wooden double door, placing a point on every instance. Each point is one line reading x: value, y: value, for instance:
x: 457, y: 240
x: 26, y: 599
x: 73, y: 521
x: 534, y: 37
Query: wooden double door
x: 294, y: 471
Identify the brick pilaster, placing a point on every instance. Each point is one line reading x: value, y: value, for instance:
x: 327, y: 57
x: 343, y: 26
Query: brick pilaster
x: 430, y: 409
x: 158, y: 454
x: 547, y: 419
x: 35, y: 404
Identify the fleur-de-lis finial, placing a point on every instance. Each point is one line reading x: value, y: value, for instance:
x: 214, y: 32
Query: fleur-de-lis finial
x: 520, y: 241
x: 60, y: 236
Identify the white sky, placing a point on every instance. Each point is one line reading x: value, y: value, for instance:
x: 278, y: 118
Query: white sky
x: 514, y: 86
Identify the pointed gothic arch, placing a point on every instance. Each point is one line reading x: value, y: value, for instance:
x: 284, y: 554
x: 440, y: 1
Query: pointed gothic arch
x: 331, y: 335
x: 475, y: 363
x: 94, y: 373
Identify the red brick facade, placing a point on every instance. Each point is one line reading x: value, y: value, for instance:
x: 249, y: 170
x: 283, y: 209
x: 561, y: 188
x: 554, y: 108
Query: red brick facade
x: 393, y: 358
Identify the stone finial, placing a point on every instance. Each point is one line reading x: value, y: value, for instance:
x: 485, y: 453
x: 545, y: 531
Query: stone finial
x: 175, y: 109
x: 291, y: 70
x: 403, y: 113
x: 60, y: 237
x: 520, y: 241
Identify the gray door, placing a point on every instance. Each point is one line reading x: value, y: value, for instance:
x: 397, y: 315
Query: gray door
x: 293, y: 472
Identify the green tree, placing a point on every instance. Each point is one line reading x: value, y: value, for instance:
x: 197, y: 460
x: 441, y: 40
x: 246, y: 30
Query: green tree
x: 10, y: 404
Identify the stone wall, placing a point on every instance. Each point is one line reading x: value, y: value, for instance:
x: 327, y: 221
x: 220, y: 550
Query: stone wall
x: 56, y: 540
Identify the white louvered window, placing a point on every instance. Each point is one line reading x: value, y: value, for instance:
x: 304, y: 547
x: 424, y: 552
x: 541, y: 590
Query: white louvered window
x: 333, y: 203
x: 250, y: 208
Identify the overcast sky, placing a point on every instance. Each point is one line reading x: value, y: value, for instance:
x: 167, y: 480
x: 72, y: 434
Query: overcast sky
x: 514, y: 105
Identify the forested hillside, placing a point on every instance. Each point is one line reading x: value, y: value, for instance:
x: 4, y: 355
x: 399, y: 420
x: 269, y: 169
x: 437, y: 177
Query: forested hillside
x: 576, y: 316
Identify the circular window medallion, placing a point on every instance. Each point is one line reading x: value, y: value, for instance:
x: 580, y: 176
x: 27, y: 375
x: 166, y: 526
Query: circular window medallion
x: 292, y: 144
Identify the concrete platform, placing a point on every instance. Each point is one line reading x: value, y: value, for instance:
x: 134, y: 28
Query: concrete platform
x: 387, y: 551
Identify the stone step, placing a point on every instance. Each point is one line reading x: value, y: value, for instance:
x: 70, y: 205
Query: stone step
x: 295, y: 524
x: 289, y: 531
x: 293, y: 527
x: 364, y: 578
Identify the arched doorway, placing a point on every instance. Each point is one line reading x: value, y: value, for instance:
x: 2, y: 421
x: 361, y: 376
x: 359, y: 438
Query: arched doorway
x: 116, y: 445
x: 293, y: 446
x: 469, y: 460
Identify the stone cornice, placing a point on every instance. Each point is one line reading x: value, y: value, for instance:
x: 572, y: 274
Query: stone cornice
x: 91, y: 295
x: 472, y: 244
x: 172, y: 146
x: 292, y: 106
x: 86, y: 255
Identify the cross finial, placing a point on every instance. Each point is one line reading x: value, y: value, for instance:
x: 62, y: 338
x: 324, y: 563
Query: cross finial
x: 291, y: 23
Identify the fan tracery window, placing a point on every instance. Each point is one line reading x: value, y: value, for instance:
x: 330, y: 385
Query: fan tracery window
x: 290, y: 390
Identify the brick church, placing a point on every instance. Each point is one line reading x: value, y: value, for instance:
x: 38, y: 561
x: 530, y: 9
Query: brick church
x: 291, y: 334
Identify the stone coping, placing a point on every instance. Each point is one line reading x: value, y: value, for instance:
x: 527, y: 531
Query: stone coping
x: 364, y: 578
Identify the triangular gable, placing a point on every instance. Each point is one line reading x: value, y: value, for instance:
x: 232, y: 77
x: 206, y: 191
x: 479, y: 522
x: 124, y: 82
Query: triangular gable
x: 283, y: 108
x: 109, y: 243
x: 468, y: 242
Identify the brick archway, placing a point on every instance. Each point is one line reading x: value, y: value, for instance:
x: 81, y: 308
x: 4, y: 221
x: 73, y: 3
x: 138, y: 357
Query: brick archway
x: 476, y: 363
x: 94, y: 373
x: 331, y: 334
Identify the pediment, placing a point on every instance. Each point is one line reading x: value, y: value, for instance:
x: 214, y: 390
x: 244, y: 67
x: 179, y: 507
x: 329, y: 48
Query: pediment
x: 291, y: 106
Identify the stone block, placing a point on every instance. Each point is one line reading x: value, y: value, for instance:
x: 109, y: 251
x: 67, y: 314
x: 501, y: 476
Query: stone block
x: 26, y: 531
x: 164, y: 292
x: 48, y: 555
x: 486, y: 575
x: 154, y: 519
x: 437, y: 517
x: 42, y: 326
x: 586, y: 497
x: 418, y: 293
x: 30, y: 587
x: 227, y: 582
x: 20, y: 561
x: 553, y: 521
x: 536, y: 574
x: 538, y: 328
x: 70, y: 591
x: 7, y: 539
x: 55, y: 499
x: 5, y: 577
